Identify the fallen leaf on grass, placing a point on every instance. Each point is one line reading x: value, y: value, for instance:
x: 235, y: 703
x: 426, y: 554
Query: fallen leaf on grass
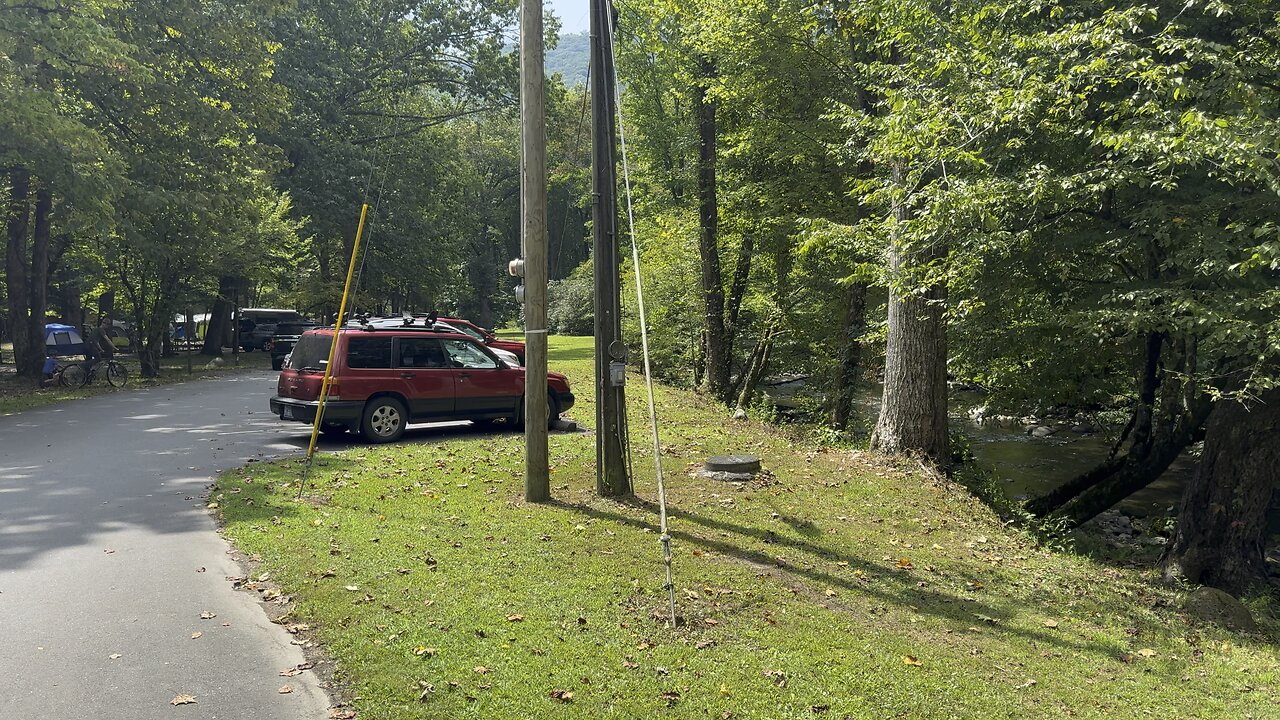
x: 482, y: 670
x: 421, y: 651
x: 183, y: 700
x: 905, y: 563
x: 196, y: 635
x: 1051, y: 623
x: 670, y: 697
x: 778, y: 677
x: 630, y: 665
x: 515, y: 618
x: 819, y: 709
x: 704, y: 644
x: 911, y: 660
x: 285, y: 690
x: 711, y: 621
x: 1029, y: 683
x: 353, y: 588
x: 563, y: 696
x: 1147, y: 652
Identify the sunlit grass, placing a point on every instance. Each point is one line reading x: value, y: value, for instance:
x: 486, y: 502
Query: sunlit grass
x: 838, y: 585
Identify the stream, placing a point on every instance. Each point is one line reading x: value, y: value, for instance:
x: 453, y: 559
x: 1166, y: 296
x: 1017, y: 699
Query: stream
x: 1025, y: 465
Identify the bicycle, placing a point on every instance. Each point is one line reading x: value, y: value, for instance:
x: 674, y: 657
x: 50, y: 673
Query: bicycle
x: 83, y: 373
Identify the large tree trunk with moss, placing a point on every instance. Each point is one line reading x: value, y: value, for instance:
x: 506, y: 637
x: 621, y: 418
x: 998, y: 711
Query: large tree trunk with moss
x: 715, y: 338
x: 1220, y: 539
x: 913, y: 411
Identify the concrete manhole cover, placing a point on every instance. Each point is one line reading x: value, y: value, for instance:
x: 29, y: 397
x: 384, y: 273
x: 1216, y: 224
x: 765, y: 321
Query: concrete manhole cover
x: 731, y: 467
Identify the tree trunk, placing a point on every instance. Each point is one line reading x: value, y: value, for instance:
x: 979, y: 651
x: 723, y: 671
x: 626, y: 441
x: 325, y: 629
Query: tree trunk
x: 216, y: 334
x: 1115, y: 480
x: 849, y: 370
x: 154, y: 325
x: 17, y: 227
x: 758, y: 366
x: 738, y: 290
x: 1061, y: 495
x: 107, y: 304
x: 1220, y: 539
x: 1170, y: 415
x: 913, y: 412
x: 1141, y: 428
x: 718, y: 354
x: 31, y: 363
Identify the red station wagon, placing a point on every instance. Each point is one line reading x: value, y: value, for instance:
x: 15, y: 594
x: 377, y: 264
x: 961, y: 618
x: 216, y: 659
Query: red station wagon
x: 486, y: 336
x: 386, y: 378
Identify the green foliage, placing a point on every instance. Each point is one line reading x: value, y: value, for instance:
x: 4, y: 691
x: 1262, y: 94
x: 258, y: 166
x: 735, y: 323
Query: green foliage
x: 571, y: 303
x: 570, y: 58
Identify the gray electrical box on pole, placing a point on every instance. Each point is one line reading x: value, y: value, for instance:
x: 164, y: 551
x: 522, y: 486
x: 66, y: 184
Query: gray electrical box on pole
x: 611, y: 407
x: 533, y: 212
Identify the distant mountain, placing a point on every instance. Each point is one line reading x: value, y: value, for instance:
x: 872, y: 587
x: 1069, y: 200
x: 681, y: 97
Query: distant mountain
x: 571, y: 58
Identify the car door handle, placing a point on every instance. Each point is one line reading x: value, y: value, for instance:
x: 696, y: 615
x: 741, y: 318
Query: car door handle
x: 407, y: 376
x: 464, y: 375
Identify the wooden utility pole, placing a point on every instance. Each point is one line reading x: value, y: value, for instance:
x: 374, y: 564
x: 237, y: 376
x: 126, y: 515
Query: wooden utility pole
x: 611, y: 469
x: 533, y: 210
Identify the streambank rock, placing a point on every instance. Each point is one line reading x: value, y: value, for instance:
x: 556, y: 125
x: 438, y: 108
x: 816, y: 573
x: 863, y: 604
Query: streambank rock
x: 1215, y: 606
x: 1115, y: 525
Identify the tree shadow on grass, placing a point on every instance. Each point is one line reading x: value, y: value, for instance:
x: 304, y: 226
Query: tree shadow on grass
x: 902, y: 591
x: 570, y: 354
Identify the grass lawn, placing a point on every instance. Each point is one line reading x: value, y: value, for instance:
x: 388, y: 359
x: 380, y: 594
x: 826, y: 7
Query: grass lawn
x: 18, y: 394
x: 838, y: 586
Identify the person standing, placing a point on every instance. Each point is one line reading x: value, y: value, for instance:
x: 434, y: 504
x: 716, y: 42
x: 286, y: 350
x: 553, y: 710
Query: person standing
x: 102, y: 340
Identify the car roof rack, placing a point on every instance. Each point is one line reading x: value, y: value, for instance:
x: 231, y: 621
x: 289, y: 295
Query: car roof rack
x: 387, y: 324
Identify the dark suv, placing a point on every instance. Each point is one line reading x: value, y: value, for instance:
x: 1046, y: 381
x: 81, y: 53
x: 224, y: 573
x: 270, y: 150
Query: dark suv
x: 283, y: 340
x: 387, y: 377
x: 257, y: 325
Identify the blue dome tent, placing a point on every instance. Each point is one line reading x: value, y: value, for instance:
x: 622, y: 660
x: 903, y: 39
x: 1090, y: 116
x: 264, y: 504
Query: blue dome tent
x: 62, y: 340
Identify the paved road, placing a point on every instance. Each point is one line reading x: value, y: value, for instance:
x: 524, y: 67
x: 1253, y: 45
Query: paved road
x: 101, y: 538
